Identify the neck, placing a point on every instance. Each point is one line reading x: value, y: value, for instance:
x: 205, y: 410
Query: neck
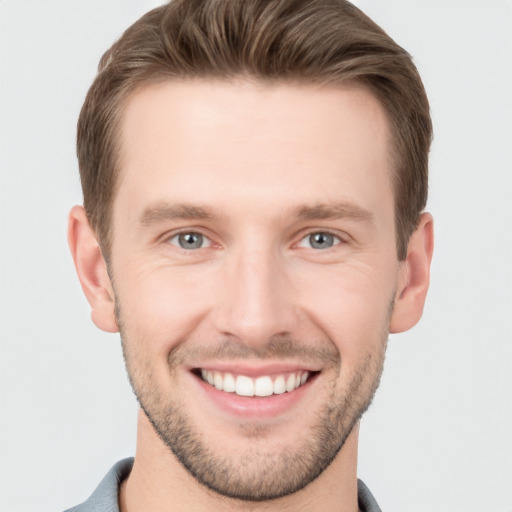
x: 158, y: 482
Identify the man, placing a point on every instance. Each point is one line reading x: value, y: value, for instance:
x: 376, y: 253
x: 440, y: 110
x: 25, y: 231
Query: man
x: 254, y: 178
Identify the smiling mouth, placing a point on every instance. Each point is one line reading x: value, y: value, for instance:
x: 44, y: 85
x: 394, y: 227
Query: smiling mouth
x: 261, y: 386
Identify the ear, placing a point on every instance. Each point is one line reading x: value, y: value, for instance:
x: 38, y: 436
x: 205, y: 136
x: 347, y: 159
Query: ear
x: 92, y: 270
x: 414, y: 276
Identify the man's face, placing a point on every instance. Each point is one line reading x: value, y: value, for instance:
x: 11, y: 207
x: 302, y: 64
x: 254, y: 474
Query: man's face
x: 254, y: 248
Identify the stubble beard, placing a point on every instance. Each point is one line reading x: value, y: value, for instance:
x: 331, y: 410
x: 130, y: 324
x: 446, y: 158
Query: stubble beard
x: 258, y: 473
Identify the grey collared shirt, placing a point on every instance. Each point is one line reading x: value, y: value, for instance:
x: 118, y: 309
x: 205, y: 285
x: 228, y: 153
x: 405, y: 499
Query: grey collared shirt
x: 106, y: 496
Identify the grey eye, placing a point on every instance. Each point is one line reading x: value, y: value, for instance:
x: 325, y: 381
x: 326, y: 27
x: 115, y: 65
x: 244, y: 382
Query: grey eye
x: 319, y: 240
x: 188, y: 240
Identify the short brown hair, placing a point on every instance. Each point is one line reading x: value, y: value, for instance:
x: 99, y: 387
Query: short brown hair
x: 316, y: 41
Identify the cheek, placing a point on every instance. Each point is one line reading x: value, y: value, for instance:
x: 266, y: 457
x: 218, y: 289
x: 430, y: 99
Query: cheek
x: 161, y: 307
x: 352, y: 306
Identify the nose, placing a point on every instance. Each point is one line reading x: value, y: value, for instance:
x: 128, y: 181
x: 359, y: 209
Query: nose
x: 257, y: 300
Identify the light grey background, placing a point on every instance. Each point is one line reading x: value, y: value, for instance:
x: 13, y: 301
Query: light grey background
x: 439, y: 435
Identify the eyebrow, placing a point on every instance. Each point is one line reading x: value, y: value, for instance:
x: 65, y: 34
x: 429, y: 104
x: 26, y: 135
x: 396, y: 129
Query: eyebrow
x: 334, y: 211
x: 163, y: 212
x: 184, y: 211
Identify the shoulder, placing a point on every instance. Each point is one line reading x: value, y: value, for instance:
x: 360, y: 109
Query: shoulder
x: 367, y: 502
x: 105, y: 497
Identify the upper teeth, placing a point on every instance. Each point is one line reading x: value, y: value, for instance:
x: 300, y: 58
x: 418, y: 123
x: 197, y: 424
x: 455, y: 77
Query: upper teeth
x: 260, y: 386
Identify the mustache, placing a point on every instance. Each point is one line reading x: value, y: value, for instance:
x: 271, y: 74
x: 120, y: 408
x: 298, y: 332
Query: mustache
x: 278, y: 347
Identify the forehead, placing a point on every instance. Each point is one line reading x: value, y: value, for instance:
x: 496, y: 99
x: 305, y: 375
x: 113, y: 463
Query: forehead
x: 207, y: 138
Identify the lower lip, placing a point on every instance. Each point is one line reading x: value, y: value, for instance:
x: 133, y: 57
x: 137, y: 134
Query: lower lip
x: 254, y: 406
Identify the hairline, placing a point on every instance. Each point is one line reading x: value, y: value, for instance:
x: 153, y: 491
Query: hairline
x: 105, y: 236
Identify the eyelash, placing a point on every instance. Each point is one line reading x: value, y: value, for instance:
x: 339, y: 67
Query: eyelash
x: 337, y: 240
x: 184, y: 233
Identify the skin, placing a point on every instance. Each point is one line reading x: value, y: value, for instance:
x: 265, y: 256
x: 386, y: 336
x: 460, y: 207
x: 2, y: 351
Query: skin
x: 255, y: 169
